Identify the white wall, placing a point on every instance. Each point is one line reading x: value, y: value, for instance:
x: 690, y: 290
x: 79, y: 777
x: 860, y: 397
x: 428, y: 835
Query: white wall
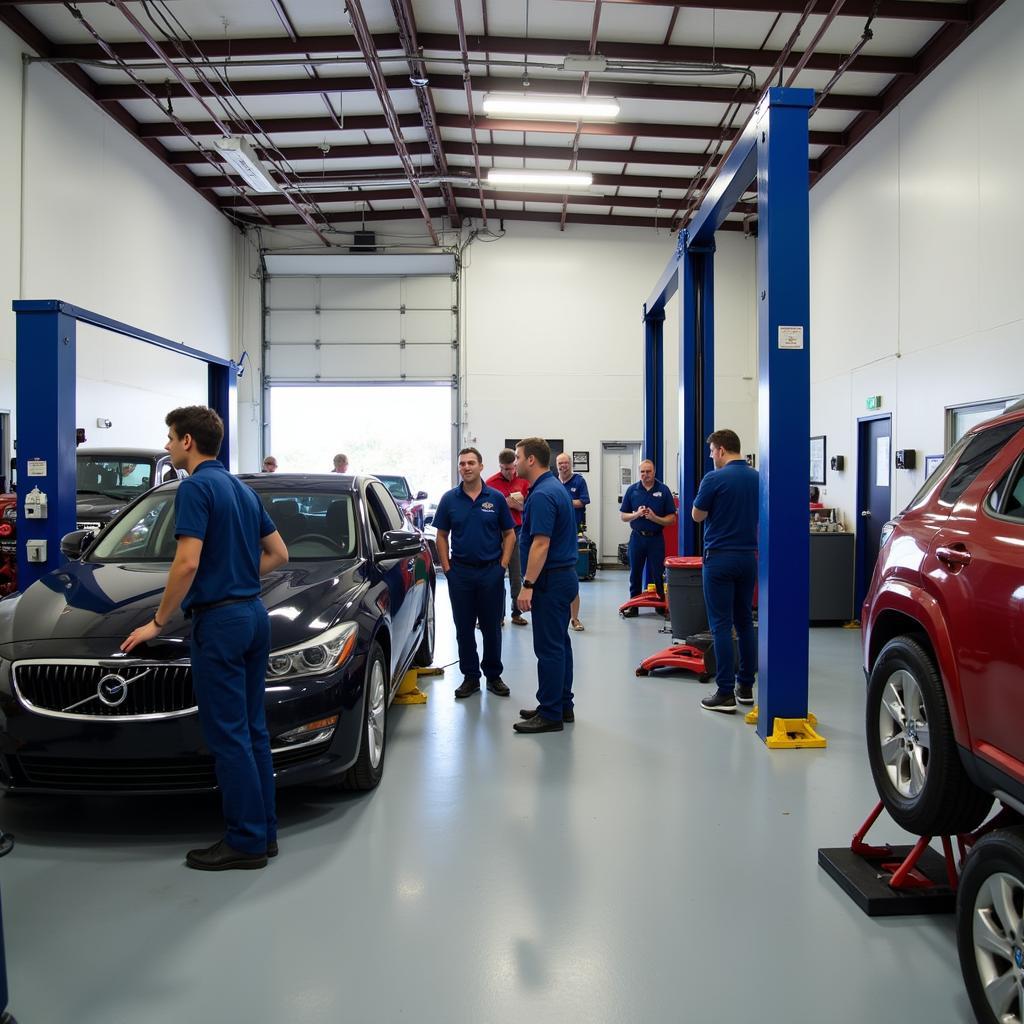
x: 916, y: 262
x: 108, y: 227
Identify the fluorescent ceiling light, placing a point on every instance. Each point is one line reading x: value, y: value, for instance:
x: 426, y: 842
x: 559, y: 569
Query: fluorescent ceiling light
x: 518, y: 105
x: 242, y: 157
x: 563, y: 179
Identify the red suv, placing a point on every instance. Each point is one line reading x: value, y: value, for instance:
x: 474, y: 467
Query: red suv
x: 944, y: 657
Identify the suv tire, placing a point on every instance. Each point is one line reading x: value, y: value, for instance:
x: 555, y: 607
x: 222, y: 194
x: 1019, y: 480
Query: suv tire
x: 911, y: 747
x: 990, y: 926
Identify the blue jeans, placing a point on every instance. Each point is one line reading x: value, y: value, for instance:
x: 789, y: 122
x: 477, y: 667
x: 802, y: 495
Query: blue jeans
x: 649, y: 552
x: 477, y: 595
x: 729, y: 578
x: 553, y: 594
x: 230, y: 645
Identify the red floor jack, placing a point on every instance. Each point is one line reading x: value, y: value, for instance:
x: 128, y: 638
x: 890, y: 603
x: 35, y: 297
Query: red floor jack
x: 649, y: 598
x: 696, y: 655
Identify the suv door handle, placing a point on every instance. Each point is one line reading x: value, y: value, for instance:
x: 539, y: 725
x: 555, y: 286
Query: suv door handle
x: 954, y: 558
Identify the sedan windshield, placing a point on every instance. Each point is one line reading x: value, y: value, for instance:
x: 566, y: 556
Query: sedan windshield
x: 318, y: 526
x: 113, y: 477
x: 397, y: 486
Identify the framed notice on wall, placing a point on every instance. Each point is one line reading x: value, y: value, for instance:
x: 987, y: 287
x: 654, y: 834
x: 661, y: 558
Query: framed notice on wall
x: 581, y: 462
x: 818, y: 459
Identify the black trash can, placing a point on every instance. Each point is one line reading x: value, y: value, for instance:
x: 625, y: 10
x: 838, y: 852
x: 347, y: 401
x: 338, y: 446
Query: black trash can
x: 685, y: 591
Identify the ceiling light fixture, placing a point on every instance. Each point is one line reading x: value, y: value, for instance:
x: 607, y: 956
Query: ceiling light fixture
x: 587, y: 108
x: 242, y: 157
x: 557, y: 179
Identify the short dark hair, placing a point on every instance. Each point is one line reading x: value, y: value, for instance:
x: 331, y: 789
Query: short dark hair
x: 727, y: 439
x: 815, y: 493
x: 506, y: 456
x: 472, y: 451
x: 538, y: 448
x: 205, y: 426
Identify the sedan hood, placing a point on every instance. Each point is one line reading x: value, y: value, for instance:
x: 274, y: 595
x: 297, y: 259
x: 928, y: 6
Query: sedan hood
x: 85, y: 606
x: 99, y: 506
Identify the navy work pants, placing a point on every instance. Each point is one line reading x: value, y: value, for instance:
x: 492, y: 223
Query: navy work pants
x: 515, y: 574
x: 477, y: 594
x: 729, y: 578
x: 230, y: 646
x: 649, y: 552
x: 553, y: 594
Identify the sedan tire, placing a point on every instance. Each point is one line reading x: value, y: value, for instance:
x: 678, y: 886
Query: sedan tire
x: 990, y: 927
x: 424, y: 657
x: 368, y: 768
x: 911, y: 747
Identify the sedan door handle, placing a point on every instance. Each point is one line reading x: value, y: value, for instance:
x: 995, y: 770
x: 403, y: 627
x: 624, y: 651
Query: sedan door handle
x: 954, y: 558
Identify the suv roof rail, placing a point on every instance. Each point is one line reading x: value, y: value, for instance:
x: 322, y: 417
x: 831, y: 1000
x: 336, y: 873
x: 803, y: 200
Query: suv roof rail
x: 1017, y: 406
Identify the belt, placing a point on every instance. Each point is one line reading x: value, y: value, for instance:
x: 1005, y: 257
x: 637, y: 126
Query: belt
x: 475, y: 565
x: 642, y: 534
x: 218, y: 604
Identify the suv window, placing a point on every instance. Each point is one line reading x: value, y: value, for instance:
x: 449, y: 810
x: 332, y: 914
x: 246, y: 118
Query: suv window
x: 1008, y: 497
x: 979, y: 452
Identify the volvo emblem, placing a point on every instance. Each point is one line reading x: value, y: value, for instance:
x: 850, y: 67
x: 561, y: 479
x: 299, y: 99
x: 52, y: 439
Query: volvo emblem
x: 112, y: 690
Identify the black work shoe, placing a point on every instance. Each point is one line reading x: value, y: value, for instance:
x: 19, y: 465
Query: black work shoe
x: 538, y: 724
x: 567, y: 716
x: 630, y: 613
x: 720, y: 700
x: 518, y: 620
x: 744, y: 695
x: 468, y: 688
x: 497, y: 687
x: 221, y: 857
x: 272, y: 848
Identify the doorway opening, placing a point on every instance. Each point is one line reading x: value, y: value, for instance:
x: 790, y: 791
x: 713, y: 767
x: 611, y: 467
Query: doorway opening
x: 620, y: 467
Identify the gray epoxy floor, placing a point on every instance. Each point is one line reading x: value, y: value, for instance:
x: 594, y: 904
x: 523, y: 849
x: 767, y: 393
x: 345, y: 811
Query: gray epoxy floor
x: 653, y: 863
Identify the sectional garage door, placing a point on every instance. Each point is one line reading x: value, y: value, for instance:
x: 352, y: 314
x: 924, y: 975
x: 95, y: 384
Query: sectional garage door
x: 337, y: 329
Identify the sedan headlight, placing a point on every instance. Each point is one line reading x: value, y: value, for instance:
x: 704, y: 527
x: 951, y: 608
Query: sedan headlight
x: 317, y: 656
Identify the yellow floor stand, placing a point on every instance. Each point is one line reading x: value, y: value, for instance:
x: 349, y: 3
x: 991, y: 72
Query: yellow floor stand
x: 791, y: 733
x: 409, y: 692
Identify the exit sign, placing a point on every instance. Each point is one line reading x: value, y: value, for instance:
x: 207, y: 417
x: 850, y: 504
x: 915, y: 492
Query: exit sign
x: 874, y: 402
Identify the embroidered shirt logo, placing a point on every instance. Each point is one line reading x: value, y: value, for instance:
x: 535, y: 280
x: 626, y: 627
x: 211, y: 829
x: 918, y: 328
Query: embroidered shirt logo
x: 489, y: 505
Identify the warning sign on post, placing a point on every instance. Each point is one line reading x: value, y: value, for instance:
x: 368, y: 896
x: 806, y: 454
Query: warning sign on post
x: 791, y: 337
x: 36, y: 467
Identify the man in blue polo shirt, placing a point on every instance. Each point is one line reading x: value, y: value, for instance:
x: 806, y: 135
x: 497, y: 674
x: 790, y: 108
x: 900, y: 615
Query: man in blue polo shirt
x: 550, y: 583
x: 226, y: 542
x: 579, y: 495
x: 727, y: 503
x: 483, y: 534
x: 648, y: 507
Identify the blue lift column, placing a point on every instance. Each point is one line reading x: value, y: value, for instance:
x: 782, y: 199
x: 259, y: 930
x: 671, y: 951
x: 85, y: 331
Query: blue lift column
x: 654, y: 394
x: 783, y: 292
x: 45, y: 389
x: 696, y: 379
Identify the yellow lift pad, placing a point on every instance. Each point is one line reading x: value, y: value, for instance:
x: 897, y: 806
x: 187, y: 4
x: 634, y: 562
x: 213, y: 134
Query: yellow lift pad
x: 791, y: 733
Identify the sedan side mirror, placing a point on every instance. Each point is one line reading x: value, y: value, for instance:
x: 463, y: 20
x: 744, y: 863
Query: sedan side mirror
x: 399, y: 544
x: 420, y: 495
x: 73, y: 544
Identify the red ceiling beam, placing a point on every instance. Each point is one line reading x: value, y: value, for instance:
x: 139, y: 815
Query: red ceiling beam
x: 283, y: 125
x: 484, y: 83
x: 439, y: 42
x: 928, y: 58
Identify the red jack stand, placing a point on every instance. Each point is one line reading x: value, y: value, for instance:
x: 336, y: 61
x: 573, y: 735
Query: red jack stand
x: 647, y: 599
x: 681, y: 657
x: 888, y: 881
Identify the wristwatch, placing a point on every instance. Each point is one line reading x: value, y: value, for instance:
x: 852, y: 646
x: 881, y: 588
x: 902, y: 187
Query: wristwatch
x: 527, y: 584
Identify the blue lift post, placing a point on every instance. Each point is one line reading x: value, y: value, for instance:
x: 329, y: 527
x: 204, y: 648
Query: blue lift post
x: 45, y: 388
x: 773, y: 148
x: 654, y: 395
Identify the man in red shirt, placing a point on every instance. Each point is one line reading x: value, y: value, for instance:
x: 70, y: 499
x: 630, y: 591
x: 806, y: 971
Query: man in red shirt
x: 514, y: 488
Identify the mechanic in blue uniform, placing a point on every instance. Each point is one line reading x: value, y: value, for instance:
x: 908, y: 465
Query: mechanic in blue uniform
x: 579, y: 495
x: 550, y: 583
x: 648, y: 507
x: 483, y: 535
x: 226, y: 542
x: 727, y: 503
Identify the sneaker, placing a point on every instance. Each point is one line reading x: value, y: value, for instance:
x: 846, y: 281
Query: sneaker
x: 577, y: 625
x: 720, y: 700
x: 518, y: 620
x: 630, y: 613
x: 468, y: 688
x: 744, y: 695
x: 567, y: 716
x: 497, y: 687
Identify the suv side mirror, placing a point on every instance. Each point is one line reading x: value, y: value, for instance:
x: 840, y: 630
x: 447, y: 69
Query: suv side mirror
x: 421, y: 495
x: 399, y: 544
x: 73, y: 544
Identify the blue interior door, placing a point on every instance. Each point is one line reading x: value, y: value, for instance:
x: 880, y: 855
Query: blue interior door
x: 874, y: 496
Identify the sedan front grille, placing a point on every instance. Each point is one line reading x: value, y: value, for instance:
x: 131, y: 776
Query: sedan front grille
x: 65, y: 688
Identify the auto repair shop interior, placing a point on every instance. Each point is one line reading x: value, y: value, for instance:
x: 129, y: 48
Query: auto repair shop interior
x: 395, y: 229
